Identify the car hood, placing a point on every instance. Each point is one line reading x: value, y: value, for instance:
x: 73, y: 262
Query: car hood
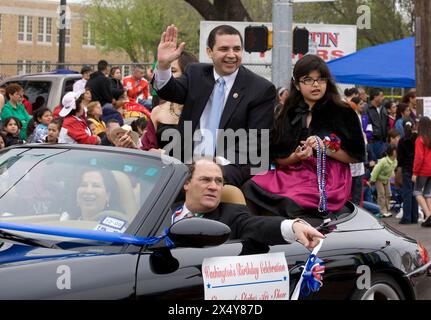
x: 15, y: 253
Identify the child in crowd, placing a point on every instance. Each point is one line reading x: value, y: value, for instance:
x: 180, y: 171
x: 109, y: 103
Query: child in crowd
x: 91, y: 126
x: 54, y: 131
x: 11, y: 129
x: 422, y: 169
x: 391, y: 108
x: 381, y: 175
x: 403, y: 115
x: 94, y: 115
x: 394, y: 136
x: 43, y: 117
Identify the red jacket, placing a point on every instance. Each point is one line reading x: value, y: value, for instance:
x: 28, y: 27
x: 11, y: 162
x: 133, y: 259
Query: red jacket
x: 135, y: 88
x: 422, y: 162
x: 75, y: 130
x: 28, y: 106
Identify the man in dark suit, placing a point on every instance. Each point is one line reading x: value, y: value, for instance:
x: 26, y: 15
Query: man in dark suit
x: 203, y: 193
x: 223, y: 95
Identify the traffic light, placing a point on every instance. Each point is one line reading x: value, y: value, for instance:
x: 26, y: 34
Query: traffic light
x: 256, y: 39
x: 300, y: 40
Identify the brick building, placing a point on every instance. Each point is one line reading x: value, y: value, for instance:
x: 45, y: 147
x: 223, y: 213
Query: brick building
x: 29, y: 36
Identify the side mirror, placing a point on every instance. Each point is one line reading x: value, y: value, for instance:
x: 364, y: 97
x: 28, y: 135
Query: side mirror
x: 198, y: 233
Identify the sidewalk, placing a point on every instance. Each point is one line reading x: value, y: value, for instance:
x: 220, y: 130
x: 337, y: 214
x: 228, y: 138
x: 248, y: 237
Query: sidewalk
x: 415, y: 231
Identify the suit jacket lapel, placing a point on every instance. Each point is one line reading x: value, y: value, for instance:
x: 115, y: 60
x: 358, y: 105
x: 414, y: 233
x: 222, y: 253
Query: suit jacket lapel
x: 236, y: 94
x: 206, y: 88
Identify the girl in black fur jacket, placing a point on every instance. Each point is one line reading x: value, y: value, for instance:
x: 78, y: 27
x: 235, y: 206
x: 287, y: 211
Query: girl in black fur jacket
x: 314, y: 108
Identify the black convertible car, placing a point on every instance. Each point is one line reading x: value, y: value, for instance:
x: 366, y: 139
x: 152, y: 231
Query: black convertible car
x: 72, y: 220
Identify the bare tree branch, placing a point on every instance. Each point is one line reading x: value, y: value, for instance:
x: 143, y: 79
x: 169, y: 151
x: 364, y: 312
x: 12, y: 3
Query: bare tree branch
x: 204, y: 7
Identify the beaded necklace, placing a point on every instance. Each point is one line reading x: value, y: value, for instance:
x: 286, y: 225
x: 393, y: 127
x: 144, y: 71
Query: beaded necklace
x: 321, y: 175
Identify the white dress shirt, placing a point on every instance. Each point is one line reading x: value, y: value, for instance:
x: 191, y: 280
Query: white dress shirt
x: 286, y: 226
x: 161, y: 79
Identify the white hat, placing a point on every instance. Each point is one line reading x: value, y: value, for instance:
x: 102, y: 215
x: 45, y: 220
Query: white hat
x: 69, y: 103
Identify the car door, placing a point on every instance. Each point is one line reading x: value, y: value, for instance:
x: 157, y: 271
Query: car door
x: 176, y: 273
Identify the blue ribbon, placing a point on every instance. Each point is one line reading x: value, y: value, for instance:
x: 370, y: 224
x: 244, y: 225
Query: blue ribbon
x: 312, y: 283
x: 89, y: 234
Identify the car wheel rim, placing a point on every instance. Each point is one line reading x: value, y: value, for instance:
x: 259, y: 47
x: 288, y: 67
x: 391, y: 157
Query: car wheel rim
x: 380, y: 292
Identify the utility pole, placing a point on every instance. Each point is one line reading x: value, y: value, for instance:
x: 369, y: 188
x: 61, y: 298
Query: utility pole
x: 62, y: 34
x: 423, y: 51
x: 282, y: 23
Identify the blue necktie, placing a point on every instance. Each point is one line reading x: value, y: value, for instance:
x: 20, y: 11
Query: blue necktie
x: 216, y: 111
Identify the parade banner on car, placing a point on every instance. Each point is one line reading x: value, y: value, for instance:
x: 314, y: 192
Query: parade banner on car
x: 253, y: 277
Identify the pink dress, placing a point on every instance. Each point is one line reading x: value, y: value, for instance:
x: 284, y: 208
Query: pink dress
x: 298, y: 182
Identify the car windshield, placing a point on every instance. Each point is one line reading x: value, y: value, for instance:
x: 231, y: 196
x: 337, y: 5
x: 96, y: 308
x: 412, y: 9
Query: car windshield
x: 37, y: 93
x: 83, y: 189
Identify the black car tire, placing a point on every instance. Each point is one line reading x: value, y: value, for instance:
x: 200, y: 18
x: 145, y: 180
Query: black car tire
x: 383, y: 287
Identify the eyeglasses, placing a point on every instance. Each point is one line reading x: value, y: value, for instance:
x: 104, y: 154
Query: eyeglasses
x: 207, y: 180
x: 310, y: 81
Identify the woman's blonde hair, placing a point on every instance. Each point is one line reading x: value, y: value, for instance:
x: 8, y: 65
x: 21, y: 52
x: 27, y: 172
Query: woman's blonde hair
x: 91, y: 106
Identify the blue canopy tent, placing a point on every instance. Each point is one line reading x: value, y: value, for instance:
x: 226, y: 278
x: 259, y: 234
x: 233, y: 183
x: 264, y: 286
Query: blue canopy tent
x: 387, y: 65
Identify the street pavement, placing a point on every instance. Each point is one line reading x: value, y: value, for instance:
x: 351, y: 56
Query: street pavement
x: 415, y: 231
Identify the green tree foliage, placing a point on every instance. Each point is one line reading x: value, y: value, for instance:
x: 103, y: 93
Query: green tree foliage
x: 135, y: 26
x: 390, y: 19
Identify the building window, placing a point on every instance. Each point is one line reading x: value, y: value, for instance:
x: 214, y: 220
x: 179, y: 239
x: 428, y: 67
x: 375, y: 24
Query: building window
x: 88, y: 36
x: 43, y: 66
x: 44, y: 29
x: 23, y: 67
x: 67, y: 36
x: 25, y: 28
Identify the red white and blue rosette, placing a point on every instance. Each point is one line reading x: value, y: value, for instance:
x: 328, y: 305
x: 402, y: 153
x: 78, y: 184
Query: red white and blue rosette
x: 311, y: 279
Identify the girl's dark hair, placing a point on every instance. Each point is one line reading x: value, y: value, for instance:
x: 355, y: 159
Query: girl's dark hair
x: 406, y: 98
x: 112, y: 71
x: 39, y: 113
x: 393, y: 133
x: 304, y: 67
x: 350, y: 92
x: 140, y: 123
x: 185, y: 59
x: 30, y: 127
x: 58, y: 122
x: 408, y: 131
x: 390, y: 150
x: 401, y: 108
x: 388, y: 104
x: 78, y: 105
x: 9, y: 119
x: 424, y: 130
